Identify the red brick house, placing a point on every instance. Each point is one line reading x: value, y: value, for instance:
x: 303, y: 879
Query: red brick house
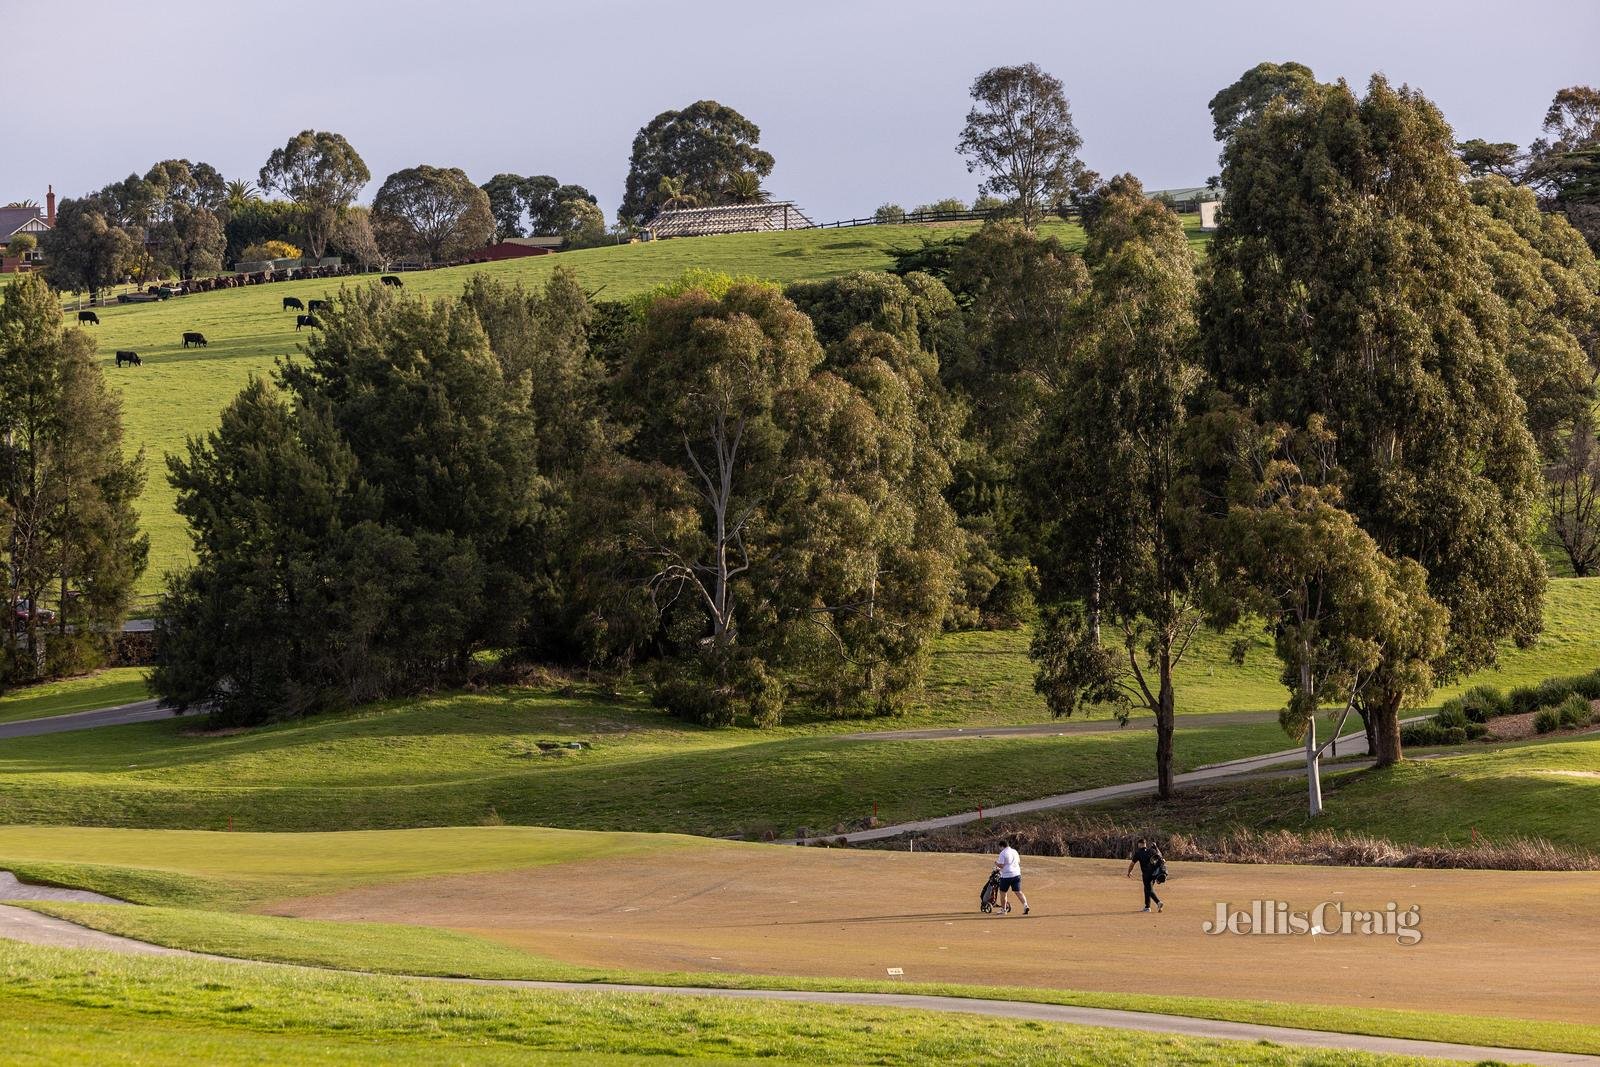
x: 29, y: 220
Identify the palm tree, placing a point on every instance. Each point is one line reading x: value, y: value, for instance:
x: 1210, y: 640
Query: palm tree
x: 241, y: 191
x: 745, y: 188
x: 672, y: 195
x: 24, y: 203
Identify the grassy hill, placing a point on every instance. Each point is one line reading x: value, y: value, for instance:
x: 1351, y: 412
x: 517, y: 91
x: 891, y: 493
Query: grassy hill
x: 179, y: 392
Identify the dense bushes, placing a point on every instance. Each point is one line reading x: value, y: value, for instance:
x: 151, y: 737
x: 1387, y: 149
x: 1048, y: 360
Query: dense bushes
x: 1427, y: 734
x: 1558, y: 703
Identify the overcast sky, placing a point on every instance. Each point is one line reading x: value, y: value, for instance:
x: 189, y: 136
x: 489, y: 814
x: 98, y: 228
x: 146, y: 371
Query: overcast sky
x: 860, y: 100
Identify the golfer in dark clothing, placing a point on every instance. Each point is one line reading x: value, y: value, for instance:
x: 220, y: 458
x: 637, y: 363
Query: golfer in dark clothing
x: 1148, y: 859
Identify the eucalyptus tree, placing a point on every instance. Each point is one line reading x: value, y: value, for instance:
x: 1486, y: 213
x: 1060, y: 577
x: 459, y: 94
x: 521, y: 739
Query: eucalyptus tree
x: 1020, y: 135
x: 1348, y: 282
x: 1120, y: 567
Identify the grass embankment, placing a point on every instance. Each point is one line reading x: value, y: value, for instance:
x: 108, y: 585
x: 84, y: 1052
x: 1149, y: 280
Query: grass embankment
x: 103, y: 689
x: 141, y: 1010
x: 465, y: 759
x: 1548, y: 788
x: 180, y: 392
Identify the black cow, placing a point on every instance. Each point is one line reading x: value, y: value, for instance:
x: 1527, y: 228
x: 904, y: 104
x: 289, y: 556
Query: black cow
x: 89, y: 317
x: 316, y: 306
x: 130, y: 358
x: 192, y: 338
x: 390, y: 279
x: 307, y: 320
x: 294, y: 302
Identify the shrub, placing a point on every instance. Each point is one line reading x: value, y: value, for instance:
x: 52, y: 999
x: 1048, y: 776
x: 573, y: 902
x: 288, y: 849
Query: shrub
x: 1524, y: 698
x: 1421, y: 735
x: 1588, y: 685
x: 687, y: 697
x: 1552, y: 691
x: 1575, y: 711
x: 1433, y: 733
x: 1451, y: 715
x: 269, y: 250
x: 949, y: 203
x: 1546, y: 720
x: 889, y: 213
x: 1482, y: 703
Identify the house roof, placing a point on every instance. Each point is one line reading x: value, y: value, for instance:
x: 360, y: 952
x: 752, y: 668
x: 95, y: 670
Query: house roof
x: 14, y: 219
x: 729, y: 218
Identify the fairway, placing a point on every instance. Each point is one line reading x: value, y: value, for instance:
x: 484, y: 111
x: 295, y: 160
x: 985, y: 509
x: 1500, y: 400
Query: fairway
x: 1505, y: 939
x: 1511, y: 943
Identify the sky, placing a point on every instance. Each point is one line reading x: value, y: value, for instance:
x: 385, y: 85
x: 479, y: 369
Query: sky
x: 861, y: 102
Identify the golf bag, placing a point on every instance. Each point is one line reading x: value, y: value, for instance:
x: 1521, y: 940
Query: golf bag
x: 990, y: 894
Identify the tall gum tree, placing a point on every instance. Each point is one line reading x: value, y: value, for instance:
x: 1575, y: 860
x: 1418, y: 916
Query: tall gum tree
x: 1116, y: 564
x: 1348, y: 282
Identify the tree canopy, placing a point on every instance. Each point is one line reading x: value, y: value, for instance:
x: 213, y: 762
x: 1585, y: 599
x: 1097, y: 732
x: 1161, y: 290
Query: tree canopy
x: 322, y: 173
x: 705, y: 145
x: 1021, y: 136
x: 1403, y: 354
x: 432, y: 212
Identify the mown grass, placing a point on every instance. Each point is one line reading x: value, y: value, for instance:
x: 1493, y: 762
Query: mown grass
x: 63, y: 1007
x: 1548, y: 788
x: 102, y: 689
x: 239, y: 870
x: 180, y: 392
x: 404, y: 950
x: 468, y: 758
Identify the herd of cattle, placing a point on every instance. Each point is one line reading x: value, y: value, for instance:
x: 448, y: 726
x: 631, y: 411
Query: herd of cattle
x: 125, y: 357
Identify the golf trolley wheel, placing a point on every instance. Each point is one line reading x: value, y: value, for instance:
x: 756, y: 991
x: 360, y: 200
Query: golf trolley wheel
x: 986, y: 907
x: 1008, y: 909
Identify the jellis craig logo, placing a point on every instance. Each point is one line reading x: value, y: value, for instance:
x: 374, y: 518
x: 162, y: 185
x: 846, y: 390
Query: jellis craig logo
x: 1328, y: 919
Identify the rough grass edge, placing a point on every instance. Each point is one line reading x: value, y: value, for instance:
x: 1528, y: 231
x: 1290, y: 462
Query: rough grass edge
x: 1099, y: 837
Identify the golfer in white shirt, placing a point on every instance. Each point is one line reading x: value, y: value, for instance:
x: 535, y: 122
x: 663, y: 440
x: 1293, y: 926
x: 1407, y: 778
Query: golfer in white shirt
x: 1009, y: 865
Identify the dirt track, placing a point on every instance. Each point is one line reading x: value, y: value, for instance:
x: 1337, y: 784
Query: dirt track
x: 1516, y: 944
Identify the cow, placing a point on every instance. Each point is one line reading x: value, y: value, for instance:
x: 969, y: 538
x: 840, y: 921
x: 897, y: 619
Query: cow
x: 316, y: 306
x: 192, y: 338
x: 390, y: 279
x: 307, y: 320
x: 89, y: 317
x: 130, y: 358
x: 294, y: 302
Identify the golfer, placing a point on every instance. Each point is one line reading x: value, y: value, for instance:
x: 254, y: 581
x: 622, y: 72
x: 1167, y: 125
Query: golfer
x: 1009, y: 866
x: 1148, y: 858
